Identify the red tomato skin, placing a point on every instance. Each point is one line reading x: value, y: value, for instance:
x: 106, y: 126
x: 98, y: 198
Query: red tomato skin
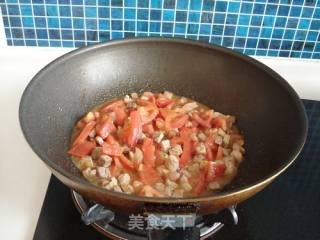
x: 162, y: 102
x: 201, y: 122
x: 220, y: 122
x: 219, y: 155
x: 105, y: 127
x: 82, y: 149
x: 84, y: 133
x: 149, y: 175
x: 148, y: 149
x: 111, y: 106
x: 179, y: 122
x: 135, y: 129
x: 110, y: 149
x: 121, y: 116
x: 199, y: 188
x: 215, y: 170
x: 186, y: 154
x: 126, y: 163
x: 148, y: 128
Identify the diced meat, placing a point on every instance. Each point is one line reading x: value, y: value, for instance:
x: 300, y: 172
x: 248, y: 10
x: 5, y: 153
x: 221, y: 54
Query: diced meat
x: 186, y: 186
x: 173, y: 176
x: 159, y: 186
x: 137, y: 186
x: 103, y: 172
x: 165, y: 145
x: 105, y: 160
x: 188, y: 107
x: 99, y: 140
x: 201, y: 148
x: 158, y: 136
x: 176, y: 150
x: 173, y: 163
x: 124, y: 179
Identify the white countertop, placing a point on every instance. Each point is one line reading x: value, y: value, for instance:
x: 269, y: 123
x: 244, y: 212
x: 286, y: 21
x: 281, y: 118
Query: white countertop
x: 24, y: 178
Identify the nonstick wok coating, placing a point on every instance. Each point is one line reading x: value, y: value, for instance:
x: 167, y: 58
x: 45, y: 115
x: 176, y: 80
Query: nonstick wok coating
x: 268, y: 111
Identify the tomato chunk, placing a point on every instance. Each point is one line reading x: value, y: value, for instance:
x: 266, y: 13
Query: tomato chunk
x: 105, y: 127
x: 82, y: 149
x: 135, y: 129
x: 179, y: 121
x: 211, y: 148
x: 110, y: 139
x: 121, y: 115
x: 126, y: 163
x: 220, y: 122
x: 202, y: 122
x: 111, y: 106
x: 164, y: 112
x: 112, y: 150
x: 186, y: 154
x: 150, y: 96
x: 148, y: 128
x: 148, y: 175
x: 215, y: 170
x: 148, y: 149
x: 201, y: 184
x: 219, y: 155
x: 162, y: 102
x: 148, y: 112
x: 84, y: 133
x: 115, y: 169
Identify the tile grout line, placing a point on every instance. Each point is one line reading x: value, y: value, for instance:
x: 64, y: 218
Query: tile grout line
x: 47, y: 26
x: 250, y: 19
x: 149, y: 14
x: 9, y: 24
x: 34, y: 24
x: 97, y: 22
x: 84, y: 22
x: 236, y: 28
x: 59, y: 21
x: 284, y: 30
x: 187, y: 23
x: 308, y: 30
x: 22, y: 29
x: 73, y: 40
x: 123, y: 18
x: 110, y: 21
x: 200, y: 20
x: 136, y: 18
x: 175, y: 18
x: 161, y: 21
x: 273, y: 27
x: 260, y: 28
x: 212, y: 22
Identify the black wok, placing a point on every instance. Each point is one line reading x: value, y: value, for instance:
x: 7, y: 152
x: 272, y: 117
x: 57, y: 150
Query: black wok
x: 268, y: 110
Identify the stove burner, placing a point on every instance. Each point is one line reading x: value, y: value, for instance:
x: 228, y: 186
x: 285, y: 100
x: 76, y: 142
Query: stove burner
x: 114, y: 225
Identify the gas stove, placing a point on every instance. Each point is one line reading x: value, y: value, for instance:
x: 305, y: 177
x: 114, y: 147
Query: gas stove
x: 287, y: 209
x: 134, y: 227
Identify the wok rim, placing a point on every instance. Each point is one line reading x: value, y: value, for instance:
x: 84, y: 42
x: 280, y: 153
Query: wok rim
x: 218, y: 195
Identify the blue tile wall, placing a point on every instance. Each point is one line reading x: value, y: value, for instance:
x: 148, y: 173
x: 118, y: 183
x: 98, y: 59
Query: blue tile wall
x: 277, y: 28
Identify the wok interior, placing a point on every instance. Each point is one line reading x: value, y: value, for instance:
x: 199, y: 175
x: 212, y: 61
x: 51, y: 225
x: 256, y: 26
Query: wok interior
x: 266, y: 113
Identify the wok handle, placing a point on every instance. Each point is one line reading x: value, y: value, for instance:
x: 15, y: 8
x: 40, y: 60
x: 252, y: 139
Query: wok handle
x: 172, y: 221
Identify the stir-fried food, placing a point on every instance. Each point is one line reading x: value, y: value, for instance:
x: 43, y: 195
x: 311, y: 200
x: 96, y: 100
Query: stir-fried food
x: 157, y: 145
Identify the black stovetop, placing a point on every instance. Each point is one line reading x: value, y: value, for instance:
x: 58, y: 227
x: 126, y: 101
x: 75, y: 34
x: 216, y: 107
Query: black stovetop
x: 287, y: 209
